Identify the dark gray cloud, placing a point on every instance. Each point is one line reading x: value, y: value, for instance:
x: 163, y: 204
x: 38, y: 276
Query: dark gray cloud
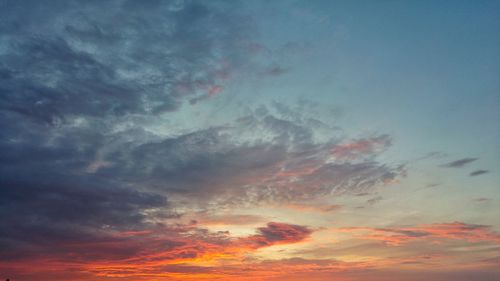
x: 69, y: 72
x: 220, y: 163
x: 115, y: 58
x: 277, y: 233
x: 39, y: 212
x: 284, y: 232
x: 374, y: 200
x: 459, y: 163
x: 54, y: 186
x: 478, y: 173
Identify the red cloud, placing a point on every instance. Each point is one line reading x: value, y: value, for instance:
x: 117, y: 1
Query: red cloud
x: 147, y: 253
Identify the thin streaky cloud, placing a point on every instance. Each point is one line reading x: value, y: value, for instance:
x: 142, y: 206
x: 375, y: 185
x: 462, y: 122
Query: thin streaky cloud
x: 478, y: 172
x: 459, y: 163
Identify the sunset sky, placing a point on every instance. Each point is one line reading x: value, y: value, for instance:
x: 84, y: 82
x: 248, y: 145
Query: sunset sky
x: 250, y: 140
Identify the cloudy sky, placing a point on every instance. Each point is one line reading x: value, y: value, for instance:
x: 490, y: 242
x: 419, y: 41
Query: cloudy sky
x: 250, y: 140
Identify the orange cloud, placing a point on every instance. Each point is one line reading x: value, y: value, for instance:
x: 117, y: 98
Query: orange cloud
x: 153, y: 254
x: 402, y: 235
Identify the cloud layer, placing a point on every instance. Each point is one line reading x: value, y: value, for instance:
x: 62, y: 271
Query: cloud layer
x: 138, y: 142
x: 432, y: 232
x: 84, y: 179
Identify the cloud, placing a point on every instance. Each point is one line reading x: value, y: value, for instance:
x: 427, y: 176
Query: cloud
x: 277, y: 233
x: 494, y: 262
x: 481, y: 199
x: 431, y: 232
x: 87, y: 180
x: 154, y: 252
x: 94, y: 193
x: 121, y: 209
x: 276, y: 71
x: 316, y: 208
x: 360, y: 148
x: 478, y: 173
x: 292, y: 267
x: 374, y: 200
x: 230, y: 166
x: 459, y: 163
x: 226, y: 219
x: 71, y: 58
x: 211, y: 91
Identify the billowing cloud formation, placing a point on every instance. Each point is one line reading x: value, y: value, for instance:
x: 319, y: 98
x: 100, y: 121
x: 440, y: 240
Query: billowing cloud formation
x: 50, y: 190
x: 284, y: 164
x: 454, y: 230
x: 89, y: 185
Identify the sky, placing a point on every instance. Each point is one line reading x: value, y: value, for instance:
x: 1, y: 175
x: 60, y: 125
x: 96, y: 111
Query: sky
x: 250, y: 140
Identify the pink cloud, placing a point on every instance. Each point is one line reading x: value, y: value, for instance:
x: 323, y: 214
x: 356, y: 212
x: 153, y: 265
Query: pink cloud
x: 213, y: 90
x: 360, y: 148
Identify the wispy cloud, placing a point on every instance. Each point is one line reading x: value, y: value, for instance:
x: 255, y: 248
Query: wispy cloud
x: 481, y: 199
x: 206, y: 219
x: 432, y: 232
x: 478, y: 173
x: 316, y: 208
x: 360, y: 148
x: 374, y: 200
x: 459, y: 163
